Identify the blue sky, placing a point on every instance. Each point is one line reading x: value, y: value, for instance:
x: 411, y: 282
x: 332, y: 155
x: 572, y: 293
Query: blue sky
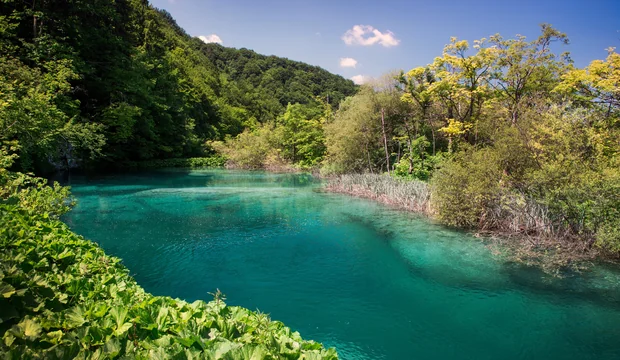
x: 391, y: 34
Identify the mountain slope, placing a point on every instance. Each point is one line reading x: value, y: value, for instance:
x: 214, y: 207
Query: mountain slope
x: 95, y: 82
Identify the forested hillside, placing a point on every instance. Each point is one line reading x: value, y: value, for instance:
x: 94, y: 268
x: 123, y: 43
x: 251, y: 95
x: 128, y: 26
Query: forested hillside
x: 265, y: 85
x: 104, y: 82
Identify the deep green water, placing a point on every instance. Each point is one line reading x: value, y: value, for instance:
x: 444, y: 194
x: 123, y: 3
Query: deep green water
x: 373, y: 282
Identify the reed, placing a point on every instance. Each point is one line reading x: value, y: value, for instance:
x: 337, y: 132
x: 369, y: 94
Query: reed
x: 412, y: 195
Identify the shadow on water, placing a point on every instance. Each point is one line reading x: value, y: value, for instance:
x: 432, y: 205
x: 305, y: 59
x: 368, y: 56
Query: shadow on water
x: 569, y: 286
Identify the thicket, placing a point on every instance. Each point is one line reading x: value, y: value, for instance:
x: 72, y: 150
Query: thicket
x: 511, y: 137
x: 294, y: 139
x: 62, y: 297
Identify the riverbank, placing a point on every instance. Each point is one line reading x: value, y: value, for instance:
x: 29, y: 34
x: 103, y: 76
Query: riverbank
x: 535, y: 243
x: 62, y: 286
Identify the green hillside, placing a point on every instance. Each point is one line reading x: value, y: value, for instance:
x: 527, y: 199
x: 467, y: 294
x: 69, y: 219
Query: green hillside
x: 100, y: 82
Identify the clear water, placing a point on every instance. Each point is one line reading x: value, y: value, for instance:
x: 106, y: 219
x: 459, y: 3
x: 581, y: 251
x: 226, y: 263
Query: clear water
x: 375, y: 283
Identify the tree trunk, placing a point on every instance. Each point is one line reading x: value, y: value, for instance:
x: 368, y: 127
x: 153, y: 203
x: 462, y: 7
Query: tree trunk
x: 410, y: 143
x: 433, y: 132
x: 34, y: 21
x: 387, y: 154
x: 368, y: 154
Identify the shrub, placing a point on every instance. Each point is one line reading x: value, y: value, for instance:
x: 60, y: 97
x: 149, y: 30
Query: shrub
x: 250, y: 149
x: 465, y: 187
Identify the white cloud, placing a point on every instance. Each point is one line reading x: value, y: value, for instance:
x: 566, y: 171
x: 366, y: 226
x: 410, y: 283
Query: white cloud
x: 348, y: 62
x: 210, y: 39
x: 360, y: 79
x: 367, y: 35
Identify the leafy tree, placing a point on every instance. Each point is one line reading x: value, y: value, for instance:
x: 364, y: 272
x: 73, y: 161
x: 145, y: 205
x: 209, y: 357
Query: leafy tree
x: 353, y: 135
x: 301, y: 134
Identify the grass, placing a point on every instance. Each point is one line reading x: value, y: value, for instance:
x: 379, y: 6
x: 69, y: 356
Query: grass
x: 412, y: 195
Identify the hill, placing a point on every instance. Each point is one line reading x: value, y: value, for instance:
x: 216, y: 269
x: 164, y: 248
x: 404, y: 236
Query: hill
x: 90, y: 83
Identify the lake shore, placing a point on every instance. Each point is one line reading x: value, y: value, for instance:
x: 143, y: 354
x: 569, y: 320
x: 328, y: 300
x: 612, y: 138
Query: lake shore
x: 552, y: 253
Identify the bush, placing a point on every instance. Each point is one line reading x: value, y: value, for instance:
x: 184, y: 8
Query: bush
x: 251, y: 149
x: 420, y: 169
x: 465, y: 187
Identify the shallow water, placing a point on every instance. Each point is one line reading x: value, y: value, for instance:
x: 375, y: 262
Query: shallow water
x: 376, y: 283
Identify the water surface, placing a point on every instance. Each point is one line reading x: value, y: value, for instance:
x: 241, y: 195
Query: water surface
x: 376, y: 283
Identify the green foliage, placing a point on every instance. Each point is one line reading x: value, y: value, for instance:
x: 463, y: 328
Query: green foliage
x: 296, y: 139
x: 420, y: 169
x: 35, y: 111
x: 300, y: 133
x: 353, y: 135
x: 29, y: 192
x: 62, y: 297
x: 578, y: 176
x: 251, y: 149
x: 86, y: 84
x: 464, y: 187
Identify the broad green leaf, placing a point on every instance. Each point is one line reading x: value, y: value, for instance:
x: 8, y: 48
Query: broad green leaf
x: 54, y: 336
x: 112, y: 348
x: 118, y: 314
x: 8, y: 339
x: 122, y: 329
x: 29, y: 328
x: 222, y: 348
x: 6, y: 290
x: 75, y: 317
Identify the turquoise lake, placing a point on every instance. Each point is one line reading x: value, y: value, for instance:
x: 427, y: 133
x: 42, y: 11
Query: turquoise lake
x: 374, y: 282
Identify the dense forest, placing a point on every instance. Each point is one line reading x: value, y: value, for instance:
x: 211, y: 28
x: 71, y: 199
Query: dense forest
x: 101, y: 83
